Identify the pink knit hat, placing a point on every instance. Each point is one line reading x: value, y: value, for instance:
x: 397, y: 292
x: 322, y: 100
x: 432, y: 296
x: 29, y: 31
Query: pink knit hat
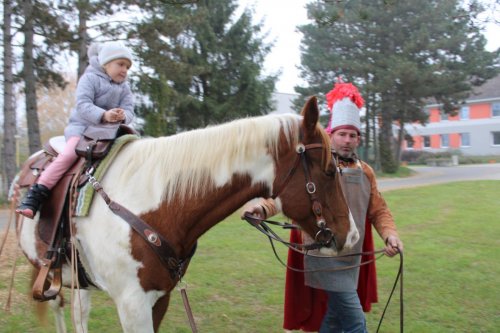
x: 344, y: 102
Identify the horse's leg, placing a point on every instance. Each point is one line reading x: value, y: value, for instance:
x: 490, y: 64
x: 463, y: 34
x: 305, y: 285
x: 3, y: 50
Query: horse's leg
x: 159, y: 310
x: 57, y: 306
x: 135, y: 308
x: 81, y: 310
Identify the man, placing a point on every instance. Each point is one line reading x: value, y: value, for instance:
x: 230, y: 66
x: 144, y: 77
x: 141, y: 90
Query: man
x: 344, y: 310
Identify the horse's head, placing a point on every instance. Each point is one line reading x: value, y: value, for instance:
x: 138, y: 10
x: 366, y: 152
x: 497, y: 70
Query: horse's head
x: 307, y: 185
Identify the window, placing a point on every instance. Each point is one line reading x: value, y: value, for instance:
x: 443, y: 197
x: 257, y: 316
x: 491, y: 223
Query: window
x: 445, y: 140
x: 464, y: 112
x: 443, y: 115
x: 427, y: 141
x: 465, y: 139
x: 496, y: 138
x: 495, y: 109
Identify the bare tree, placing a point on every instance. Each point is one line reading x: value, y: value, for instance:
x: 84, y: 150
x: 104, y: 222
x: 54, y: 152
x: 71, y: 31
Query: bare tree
x: 54, y: 107
x: 30, y: 79
x: 9, y: 112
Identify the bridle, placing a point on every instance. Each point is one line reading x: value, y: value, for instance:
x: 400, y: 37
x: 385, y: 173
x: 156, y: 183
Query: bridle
x: 324, y: 236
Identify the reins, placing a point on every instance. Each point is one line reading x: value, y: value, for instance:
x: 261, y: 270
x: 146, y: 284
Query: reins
x: 261, y: 225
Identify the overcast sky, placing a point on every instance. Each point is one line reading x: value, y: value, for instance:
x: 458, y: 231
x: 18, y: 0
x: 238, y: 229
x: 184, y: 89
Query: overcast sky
x: 280, y: 18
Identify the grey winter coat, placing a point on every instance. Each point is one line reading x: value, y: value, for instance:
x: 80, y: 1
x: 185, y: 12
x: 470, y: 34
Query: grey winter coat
x: 95, y: 94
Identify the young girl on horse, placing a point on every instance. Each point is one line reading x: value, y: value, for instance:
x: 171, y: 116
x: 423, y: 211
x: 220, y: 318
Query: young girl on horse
x: 103, y: 96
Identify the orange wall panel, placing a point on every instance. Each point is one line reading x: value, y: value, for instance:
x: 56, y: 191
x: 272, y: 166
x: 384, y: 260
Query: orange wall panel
x: 418, y: 142
x: 455, y: 140
x: 480, y: 111
x: 435, y: 141
x: 434, y: 115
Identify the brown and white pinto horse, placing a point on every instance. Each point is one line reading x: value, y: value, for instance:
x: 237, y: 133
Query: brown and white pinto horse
x: 182, y: 186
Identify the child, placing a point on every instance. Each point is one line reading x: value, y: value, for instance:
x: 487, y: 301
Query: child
x: 102, y: 96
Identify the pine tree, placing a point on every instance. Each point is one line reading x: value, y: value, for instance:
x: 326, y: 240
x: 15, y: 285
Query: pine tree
x: 404, y: 52
x: 206, y: 66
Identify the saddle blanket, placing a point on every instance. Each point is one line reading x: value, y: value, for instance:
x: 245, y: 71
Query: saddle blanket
x: 86, y: 192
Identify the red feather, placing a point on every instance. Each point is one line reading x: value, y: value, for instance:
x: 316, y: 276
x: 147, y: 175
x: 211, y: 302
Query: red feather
x: 343, y: 90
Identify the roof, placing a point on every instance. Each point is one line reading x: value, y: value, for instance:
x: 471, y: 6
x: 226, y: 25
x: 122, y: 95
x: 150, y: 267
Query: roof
x: 489, y: 90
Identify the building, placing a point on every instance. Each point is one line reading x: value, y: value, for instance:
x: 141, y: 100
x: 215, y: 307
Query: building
x: 283, y: 102
x: 474, y: 131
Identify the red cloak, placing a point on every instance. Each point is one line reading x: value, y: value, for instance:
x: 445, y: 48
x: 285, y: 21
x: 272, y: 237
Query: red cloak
x: 305, y: 307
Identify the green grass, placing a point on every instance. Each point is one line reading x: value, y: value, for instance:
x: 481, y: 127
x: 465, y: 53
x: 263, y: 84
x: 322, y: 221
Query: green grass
x: 452, y: 272
x: 402, y: 172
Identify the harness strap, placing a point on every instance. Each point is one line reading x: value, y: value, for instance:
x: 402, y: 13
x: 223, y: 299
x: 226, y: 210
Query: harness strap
x: 189, y: 312
x: 157, y: 242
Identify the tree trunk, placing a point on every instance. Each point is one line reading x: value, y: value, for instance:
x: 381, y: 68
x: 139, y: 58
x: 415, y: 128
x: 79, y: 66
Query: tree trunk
x: 376, y: 145
x: 401, y: 135
x: 9, y: 111
x: 366, y: 143
x: 386, y: 143
x: 30, y: 80
x: 83, y: 37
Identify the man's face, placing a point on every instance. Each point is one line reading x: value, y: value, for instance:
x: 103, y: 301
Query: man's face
x: 345, y: 142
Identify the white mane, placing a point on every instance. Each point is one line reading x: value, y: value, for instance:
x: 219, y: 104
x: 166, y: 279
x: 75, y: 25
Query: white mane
x: 191, y: 162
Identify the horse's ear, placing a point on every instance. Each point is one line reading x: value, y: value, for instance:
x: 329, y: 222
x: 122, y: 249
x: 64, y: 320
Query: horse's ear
x: 310, y: 112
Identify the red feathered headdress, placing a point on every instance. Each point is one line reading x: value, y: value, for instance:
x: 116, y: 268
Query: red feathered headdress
x: 344, y: 102
x: 342, y: 90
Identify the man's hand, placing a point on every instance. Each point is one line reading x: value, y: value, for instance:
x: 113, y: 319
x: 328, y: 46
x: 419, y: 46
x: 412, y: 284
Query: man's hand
x: 255, y: 210
x: 393, y: 246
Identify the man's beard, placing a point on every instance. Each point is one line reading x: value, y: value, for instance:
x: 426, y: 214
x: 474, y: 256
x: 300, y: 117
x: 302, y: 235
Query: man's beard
x: 349, y: 156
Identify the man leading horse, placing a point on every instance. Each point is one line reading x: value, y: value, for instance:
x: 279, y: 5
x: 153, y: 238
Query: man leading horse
x: 331, y: 280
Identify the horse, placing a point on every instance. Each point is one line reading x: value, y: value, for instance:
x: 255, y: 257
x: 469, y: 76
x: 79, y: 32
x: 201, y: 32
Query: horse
x: 183, y: 185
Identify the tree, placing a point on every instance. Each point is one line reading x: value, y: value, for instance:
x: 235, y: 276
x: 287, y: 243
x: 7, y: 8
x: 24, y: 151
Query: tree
x: 54, y: 107
x: 9, y: 112
x: 200, y: 67
x: 405, y: 52
x: 103, y: 28
x: 39, y: 59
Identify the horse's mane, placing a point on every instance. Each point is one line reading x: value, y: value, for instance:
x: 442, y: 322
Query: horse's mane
x: 190, y: 162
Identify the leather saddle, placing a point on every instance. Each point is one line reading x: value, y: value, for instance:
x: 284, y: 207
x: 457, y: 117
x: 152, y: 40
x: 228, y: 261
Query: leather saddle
x: 53, y: 238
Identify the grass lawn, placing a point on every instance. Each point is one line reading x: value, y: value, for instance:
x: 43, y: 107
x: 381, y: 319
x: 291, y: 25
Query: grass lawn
x: 452, y: 272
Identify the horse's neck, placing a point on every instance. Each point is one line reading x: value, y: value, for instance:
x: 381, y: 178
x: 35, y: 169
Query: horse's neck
x: 185, y: 220
x: 183, y: 216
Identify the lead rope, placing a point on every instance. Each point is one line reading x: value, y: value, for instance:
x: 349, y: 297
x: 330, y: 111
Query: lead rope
x: 399, y: 277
